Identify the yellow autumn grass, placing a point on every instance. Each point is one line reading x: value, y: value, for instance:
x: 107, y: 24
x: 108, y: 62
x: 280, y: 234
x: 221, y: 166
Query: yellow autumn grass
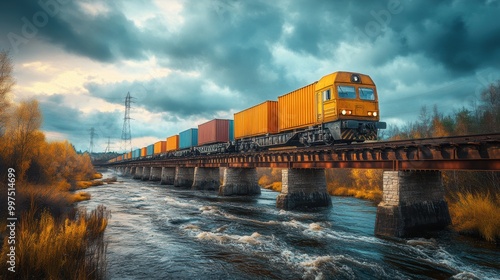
x: 275, y: 186
x: 476, y: 213
x: 267, y: 183
x: 373, y: 195
x: 80, y: 196
x: 87, y: 184
x: 70, y: 249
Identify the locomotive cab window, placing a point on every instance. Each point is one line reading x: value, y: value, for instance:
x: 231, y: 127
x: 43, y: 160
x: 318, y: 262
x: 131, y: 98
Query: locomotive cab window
x: 366, y: 93
x: 327, y: 95
x: 346, y: 92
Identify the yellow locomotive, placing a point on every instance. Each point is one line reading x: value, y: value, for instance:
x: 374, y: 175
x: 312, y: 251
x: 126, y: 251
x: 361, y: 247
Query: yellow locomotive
x: 340, y: 107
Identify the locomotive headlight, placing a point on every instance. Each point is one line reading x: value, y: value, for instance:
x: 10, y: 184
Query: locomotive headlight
x: 375, y: 114
x: 369, y: 113
x: 344, y: 112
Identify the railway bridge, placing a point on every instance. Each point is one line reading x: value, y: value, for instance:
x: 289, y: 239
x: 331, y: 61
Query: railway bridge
x: 413, y: 193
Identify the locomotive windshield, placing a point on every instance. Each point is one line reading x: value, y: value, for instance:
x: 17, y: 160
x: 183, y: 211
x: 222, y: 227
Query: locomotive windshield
x: 366, y: 93
x: 346, y: 92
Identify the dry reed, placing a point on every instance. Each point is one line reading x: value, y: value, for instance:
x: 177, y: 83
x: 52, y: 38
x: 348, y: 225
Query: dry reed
x: 70, y: 249
x: 476, y: 213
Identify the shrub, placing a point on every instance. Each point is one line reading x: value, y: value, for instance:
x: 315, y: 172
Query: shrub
x: 477, y: 213
x: 71, y: 249
x: 373, y: 195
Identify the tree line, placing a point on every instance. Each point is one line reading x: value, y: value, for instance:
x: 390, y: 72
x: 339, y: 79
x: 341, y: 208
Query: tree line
x: 54, y: 239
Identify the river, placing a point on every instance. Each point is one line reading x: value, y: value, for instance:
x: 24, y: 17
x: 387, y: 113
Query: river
x: 162, y: 232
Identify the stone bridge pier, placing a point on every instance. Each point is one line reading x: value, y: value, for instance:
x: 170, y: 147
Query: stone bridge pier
x: 412, y: 201
x: 155, y: 174
x: 138, y: 172
x: 303, y: 188
x: 167, y: 175
x: 184, y: 177
x: 146, y: 170
x: 206, y: 178
x: 239, y: 181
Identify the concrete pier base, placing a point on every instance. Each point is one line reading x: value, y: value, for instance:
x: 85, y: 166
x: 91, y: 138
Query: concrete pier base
x: 126, y: 171
x: 303, y: 188
x: 155, y: 174
x: 146, y: 170
x: 138, y: 173
x: 239, y: 181
x: 167, y: 175
x: 413, y: 201
x: 206, y: 178
x: 184, y: 177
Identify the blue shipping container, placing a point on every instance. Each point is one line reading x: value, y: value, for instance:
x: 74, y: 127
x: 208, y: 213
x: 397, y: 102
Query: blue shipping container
x: 136, y: 153
x: 231, y: 130
x: 150, y: 150
x: 188, y: 138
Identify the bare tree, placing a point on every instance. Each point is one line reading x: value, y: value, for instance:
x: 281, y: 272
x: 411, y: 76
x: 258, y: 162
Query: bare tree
x: 6, y: 84
x: 491, y: 107
x: 24, y: 136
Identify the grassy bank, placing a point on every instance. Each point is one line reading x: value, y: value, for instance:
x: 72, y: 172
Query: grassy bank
x: 55, y: 240
x: 275, y: 186
x: 374, y: 195
x: 71, y: 248
x: 476, y: 214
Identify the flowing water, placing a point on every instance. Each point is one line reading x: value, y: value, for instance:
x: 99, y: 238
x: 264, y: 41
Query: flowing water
x: 162, y: 232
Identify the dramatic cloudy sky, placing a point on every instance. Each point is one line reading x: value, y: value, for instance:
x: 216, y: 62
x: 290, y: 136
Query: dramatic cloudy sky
x: 186, y: 62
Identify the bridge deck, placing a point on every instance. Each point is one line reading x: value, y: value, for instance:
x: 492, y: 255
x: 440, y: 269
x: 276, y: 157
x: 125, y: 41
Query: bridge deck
x: 473, y: 152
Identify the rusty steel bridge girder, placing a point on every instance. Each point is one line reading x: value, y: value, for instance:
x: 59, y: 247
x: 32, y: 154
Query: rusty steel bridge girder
x: 473, y: 152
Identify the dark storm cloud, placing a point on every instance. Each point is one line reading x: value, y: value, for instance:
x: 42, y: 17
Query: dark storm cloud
x: 460, y: 35
x: 104, y: 37
x: 228, y: 41
x: 59, y: 117
x: 178, y: 95
x: 231, y: 38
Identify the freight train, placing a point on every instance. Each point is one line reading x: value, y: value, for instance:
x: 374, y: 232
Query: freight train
x: 341, y: 107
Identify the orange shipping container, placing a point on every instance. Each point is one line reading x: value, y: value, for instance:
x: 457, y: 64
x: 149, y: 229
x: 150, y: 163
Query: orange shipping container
x: 160, y: 147
x: 144, y: 151
x: 257, y: 120
x: 173, y: 143
x: 129, y: 155
x: 296, y: 109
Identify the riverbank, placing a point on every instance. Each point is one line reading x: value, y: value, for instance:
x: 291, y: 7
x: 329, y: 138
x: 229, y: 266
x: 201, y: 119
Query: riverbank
x: 54, y: 239
x: 96, y: 181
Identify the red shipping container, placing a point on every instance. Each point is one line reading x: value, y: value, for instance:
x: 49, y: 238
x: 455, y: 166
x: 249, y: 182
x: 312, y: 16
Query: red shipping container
x: 214, y: 131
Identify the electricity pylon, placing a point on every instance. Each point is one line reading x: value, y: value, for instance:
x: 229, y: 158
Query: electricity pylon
x: 108, y: 147
x: 92, y: 135
x: 126, y: 134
